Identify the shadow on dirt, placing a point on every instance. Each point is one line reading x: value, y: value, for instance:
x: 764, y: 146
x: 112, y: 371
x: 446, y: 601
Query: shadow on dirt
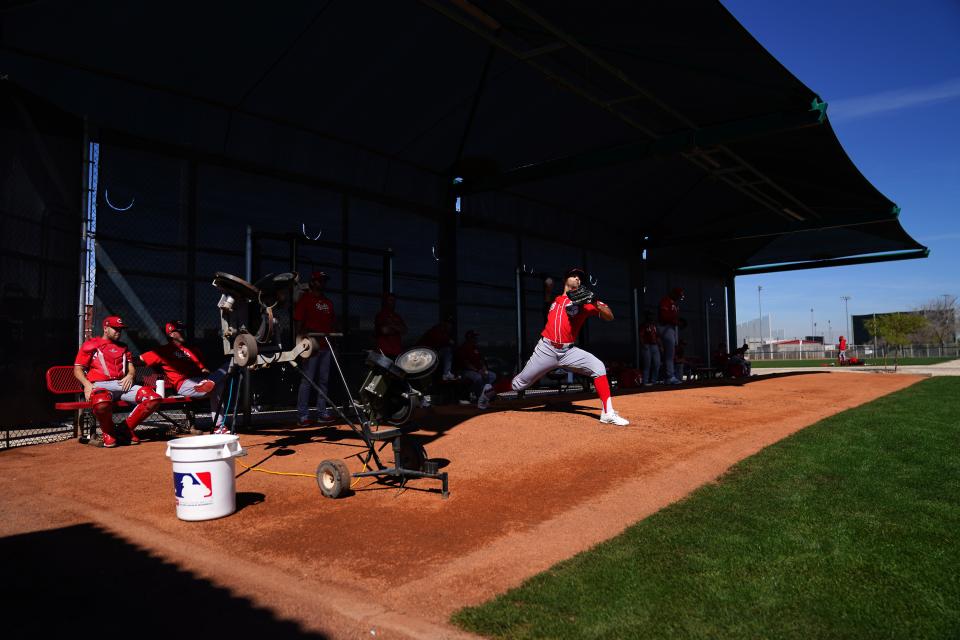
x: 83, y: 577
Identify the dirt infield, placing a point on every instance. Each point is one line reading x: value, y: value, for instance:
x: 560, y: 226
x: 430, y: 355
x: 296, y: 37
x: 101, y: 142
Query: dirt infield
x: 532, y: 483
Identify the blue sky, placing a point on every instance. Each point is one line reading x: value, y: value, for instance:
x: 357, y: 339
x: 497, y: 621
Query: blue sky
x: 890, y: 73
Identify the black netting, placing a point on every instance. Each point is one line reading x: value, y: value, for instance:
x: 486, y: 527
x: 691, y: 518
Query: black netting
x: 41, y: 169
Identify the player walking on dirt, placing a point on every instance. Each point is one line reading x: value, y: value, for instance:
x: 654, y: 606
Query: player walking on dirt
x: 556, y: 347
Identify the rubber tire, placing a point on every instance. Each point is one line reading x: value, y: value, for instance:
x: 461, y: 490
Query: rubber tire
x: 402, y: 416
x: 412, y: 454
x: 333, y: 478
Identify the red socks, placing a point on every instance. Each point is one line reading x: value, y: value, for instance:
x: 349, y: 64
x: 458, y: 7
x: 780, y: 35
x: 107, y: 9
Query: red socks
x: 603, y: 390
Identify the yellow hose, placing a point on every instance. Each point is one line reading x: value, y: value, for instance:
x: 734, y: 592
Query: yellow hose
x: 298, y: 475
x: 277, y: 473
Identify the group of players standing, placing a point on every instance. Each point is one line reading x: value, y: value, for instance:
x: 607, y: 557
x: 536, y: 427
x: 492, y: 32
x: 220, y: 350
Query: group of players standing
x: 105, y: 367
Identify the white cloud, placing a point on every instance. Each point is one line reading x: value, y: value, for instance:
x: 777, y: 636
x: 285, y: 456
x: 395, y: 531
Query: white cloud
x: 865, y: 106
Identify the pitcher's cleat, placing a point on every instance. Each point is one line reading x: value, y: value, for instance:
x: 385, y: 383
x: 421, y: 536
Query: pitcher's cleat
x: 613, y: 418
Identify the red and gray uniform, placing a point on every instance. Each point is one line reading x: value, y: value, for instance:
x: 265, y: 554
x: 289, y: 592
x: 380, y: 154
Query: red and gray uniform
x: 178, y: 363
x: 105, y: 363
x: 103, y: 359
x: 669, y: 317
x: 556, y: 347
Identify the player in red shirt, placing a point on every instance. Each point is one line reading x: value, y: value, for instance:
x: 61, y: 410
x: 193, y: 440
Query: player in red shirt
x: 439, y: 339
x: 556, y: 347
x: 650, y: 346
x: 669, y: 317
x: 314, y: 313
x: 104, y: 366
x: 184, y: 369
x: 473, y: 368
x: 389, y: 327
x: 842, y: 353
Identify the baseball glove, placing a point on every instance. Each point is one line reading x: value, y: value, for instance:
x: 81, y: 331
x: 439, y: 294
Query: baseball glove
x: 581, y: 295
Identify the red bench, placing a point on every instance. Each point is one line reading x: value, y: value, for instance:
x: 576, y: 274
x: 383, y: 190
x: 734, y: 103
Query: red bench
x: 61, y: 381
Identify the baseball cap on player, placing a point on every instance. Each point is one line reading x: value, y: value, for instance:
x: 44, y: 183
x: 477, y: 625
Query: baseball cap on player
x: 676, y: 293
x: 175, y: 325
x: 115, y: 322
x: 471, y: 334
x: 575, y: 271
x: 319, y: 275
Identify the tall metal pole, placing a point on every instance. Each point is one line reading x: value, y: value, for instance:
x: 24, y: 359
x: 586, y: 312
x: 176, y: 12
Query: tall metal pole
x: 519, y: 302
x: 812, y: 325
x: 709, y: 300
x: 636, y: 328
x: 760, y: 312
x: 846, y: 314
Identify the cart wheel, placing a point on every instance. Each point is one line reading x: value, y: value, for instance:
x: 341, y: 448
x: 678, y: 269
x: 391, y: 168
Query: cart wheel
x: 245, y: 350
x: 333, y: 478
x: 412, y: 454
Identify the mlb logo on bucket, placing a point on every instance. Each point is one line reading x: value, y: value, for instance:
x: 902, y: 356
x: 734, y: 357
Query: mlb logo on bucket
x: 193, y: 488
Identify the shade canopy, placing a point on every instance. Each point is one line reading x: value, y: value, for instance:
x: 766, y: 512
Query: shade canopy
x: 663, y: 127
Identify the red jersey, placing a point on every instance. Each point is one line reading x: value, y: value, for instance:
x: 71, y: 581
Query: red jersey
x: 103, y: 359
x: 468, y: 357
x: 843, y: 344
x: 436, y: 338
x: 669, y: 312
x: 565, y: 319
x: 389, y: 344
x: 315, y: 313
x: 176, y: 361
x: 648, y: 334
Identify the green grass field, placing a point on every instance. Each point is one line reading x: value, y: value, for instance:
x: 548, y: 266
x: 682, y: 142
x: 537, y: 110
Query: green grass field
x: 876, y: 362
x: 847, y: 529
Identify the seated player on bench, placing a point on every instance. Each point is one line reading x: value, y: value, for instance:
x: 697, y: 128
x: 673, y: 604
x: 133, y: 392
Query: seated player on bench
x: 473, y: 369
x: 556, y: 347
x: 104, y: 366
x: 184, y: 369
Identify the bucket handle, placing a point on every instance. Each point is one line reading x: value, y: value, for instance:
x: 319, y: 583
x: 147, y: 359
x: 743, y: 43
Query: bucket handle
x: 227, y: 453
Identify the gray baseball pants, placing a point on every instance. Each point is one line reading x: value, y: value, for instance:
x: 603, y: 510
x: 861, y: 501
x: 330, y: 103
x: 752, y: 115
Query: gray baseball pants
x: 668, y: 336
x: 546, y: 358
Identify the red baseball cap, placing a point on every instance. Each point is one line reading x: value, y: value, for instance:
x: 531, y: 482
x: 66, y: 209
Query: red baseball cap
x: 319, y: 275
x: 575, y: 271
x: 170, y: 327
x: 115, y: 322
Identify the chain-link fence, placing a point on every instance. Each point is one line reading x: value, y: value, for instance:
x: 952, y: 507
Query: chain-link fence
x: 817, y: 351
x: 166, y: 223
x: 40, y: 222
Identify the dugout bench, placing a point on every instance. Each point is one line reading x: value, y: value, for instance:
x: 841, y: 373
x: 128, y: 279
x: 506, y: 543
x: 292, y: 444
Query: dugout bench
x: 61, y: 381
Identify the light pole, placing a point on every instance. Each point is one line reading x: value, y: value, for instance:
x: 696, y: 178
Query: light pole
x: 813, y: 325
x: 829, y: 332
x: 846, y: 314
x: 760, y: 311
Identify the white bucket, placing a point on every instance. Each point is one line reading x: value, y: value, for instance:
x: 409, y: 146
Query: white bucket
x: 203, y: 475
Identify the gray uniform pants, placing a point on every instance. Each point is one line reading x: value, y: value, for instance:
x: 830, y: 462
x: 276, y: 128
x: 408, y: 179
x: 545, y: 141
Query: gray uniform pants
x: 546, y: 358
x: 188, y: 389
x: 668, y: 336
x: 113, y: 386
x: 651, y: 363
x: 478, y: 380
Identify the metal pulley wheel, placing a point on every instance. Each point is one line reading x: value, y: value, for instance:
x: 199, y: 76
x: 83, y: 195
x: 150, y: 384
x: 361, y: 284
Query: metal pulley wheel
x: 245, y: 350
